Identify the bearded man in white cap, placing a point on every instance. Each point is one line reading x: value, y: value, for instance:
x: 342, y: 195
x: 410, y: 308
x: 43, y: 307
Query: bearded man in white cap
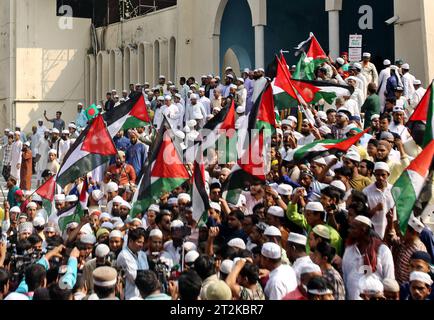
x: 380, y: 198
x: 368, y: 69
x: 282, y: 278
x: 195, y: 111
x: 42, y: 149
x: 365, y: 251
x: 16, y: 151
x: 382, y: 82
x: 100, y: 260
x: 407, y: 81
x: 53, y: 164
x: 171, y: 112
x: 417, y: 95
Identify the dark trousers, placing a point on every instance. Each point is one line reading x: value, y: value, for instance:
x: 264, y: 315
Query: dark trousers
x: 6, y: 172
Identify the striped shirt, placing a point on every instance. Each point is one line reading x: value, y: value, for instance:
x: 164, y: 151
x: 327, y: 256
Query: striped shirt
x: 336, y: 282
x: 7, y: 154
x: 402, y: 253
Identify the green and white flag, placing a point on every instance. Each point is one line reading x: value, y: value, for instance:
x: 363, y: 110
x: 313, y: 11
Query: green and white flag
x: 72, y: 214
x: 408, y: 187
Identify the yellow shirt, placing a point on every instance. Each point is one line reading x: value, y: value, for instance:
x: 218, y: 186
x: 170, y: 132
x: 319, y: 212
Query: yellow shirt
x: 397, y: 168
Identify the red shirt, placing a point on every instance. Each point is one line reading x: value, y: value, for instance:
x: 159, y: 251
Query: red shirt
x: 126, y: 173
x: 294, y: 295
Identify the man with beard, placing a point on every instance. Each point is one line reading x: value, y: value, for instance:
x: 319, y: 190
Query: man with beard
x: 226, y: 88
x: 122, y: 172
x: 397, y: 126
x: 396, y: 168
x: 163, y: 220
x: 136, y: 155
x: 173, y: 249
x: 116, y: 242
x: 339, y: 130
x: 101, y: 253
x: 55, y: 139
x: 254, y: 196
x: 64, y: 145
x: 26, y: 167
x: 114, y: 206
x: 259, y: 84
x: 375, y: 124
x: 124, y: 210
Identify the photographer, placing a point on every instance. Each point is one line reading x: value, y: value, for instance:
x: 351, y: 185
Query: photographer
x: 131, y: 259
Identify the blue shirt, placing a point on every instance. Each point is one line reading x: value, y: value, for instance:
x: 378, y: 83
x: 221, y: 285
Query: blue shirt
x: 122, y: 143
x: 427, y: 237
x: 81, y: 120
x: 136, y: 156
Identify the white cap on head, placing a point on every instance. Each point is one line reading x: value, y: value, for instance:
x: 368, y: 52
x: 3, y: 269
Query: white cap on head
x: 382, y: 166
x: 167, y: 98
x: 387, y: 62
x: 237, y: 243
x: 364, y: 220
x: 406, y: 66
x: 320, y: 161
x: 340, y: 61
x: 370, y: 284
x: 115, y: 234
x: 31, y: 205
x: 15, y: 209
x: 416, y: 224
x: 88, y: 239
x: 55, y: 130
x: 118, y: 199
x: 276, y: 211
x: 176, y: 224
x: 126, y: 204
x: 271, y: 250
x: 59, y: 197
x: 284, y: 189
x: 228, y: 68
x: 160, y: 98
x: 97, y: 195
x: 191, y: 123
x: 184, y: 196
x: 71, y: 198
x: 107, y: 225
x: 38, y: 222
x: 102, y: 250
x: 112, y: 187
x: 240, y: 109
x: 272, y: 231
x: 422, y: 277
x: 105, y: 215
x: 189, y: 246
x: 366, y: 55
x: 339, y: 185
x: 353, y: 156
x: 156, y: 233
x: 15, y: 296
x: 226, y: 266
x: 314, y: 206
x: 391, y: 285
x: 297, y: 238
x: 310, y: 267
x: 191, y: 256
x: 36, y: 197
x: 52, y: 151
x: 417, y: 82
x: 216, y: 206
x: 154, y: 207
x: 375, y: 116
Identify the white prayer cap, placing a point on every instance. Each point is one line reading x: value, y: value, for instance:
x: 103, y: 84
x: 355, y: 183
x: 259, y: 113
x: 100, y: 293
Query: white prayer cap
x: 233, y: 86
x: 117, y: 199
x: 65, y: 131
x: 284, y: 189
x: 156, y: 233
x: 416, y: 224
x: 417, y: 82
x: 286, y: 122
x: 88, y: 239
x: 27, y: 143
x: 375, y: 116
x: 202, y: 89
x: 397, y: 109
x: 160, y: 98
x: 38, y: 222
x: 167, y: 97
x: 241, y: 80
x: 357, y: 66
x: 309, y: 267
x: 320, y: 161
x: 136, y: 220
x: 387, y: 62
x: 176, y: 224
x: 108, y: 225
x: 314, y: 206
x: 126, y: 204
x: 226, y: 266
x: 353, y: 156
x: 55, y: 130
x: 102, y: 250
x: 261, y: 70
x: 230, y: 76
x: 71, y: 125
x: 421, y: 276
x: 276, y: 211
x: 162, y: 77
x: 25, y: 227
x: 297, y: 238
x: 406, y: 66
x: 172, y: 201
x: 391, y: 285
x: 112, y: 186
x: 105, y: 215
x: 15, y: 296
x: 191, y: 256
x: 382, y: 166
x: 32, y: 205
x: 370, y: 284
x: 237, y: 243
x: 339, y: 185
x: 72, y: 225
x: 189, y: 246
x: 241, y: 109
x: 322, y: 231
x: 154, y: 207
x: 116, y: 234
x: 364, y: 220
x: 271, y: 250
x: 322, y: 115
x: 366, y: 55
x: 395, y: 68
x: 272, y: 231
x: 228, y: 68
x: 97, y: 195
x: 293, y: 119
x: 215, y: 206
x: 15, y: 209
x: 36, y: 197
x: 340, y: 61
x: 184, y: 196
x: 71, y: 198
x: 52, y: 151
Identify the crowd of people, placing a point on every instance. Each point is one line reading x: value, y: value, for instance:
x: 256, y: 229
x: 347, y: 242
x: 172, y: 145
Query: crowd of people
x: 325, y: 229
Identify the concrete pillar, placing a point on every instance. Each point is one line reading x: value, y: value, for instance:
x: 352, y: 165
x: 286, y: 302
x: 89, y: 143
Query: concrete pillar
x: 259, y: 46
x: 333, y: 7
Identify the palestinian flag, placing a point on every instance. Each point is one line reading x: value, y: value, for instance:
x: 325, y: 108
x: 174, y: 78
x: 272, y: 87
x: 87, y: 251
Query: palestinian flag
x: 72, y: 214
x: 317, y: 90
x: 139, y: 116
x: 91, y: 112
x: 200, y: 197
x: 46, y: 191
x: 320, y: 147
x: 78, y: 162
x: 408, y: 187
x: 165, y: 172
x: 311, y: 56
x: 261, y: 116
x: 251, y: 167
x: 424, y: 112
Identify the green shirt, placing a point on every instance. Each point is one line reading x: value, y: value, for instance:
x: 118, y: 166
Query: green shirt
x: 371, y: 106
x: 300, y: 220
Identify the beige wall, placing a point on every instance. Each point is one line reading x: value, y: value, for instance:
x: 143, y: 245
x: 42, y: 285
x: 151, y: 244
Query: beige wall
x: 428, y: 39
x: 49, y: 63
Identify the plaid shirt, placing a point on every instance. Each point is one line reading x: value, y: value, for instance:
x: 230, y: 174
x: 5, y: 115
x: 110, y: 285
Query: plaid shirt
x: 7, y: 154
x: 335, y: 281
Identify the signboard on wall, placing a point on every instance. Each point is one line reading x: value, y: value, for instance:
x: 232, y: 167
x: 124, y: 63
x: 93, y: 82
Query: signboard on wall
x: 356, y: 41
x: 355, y: 54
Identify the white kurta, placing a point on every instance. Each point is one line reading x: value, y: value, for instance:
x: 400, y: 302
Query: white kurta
x: 17, y: 146
x: 172, y: 114
x: 130, y: 263
x: 353, y: 261
x: 281, y: 282
x: 181, y: 109
x: 64, y: 146
x: 43, y: 148
x: 206, y: 103
x: 382, y: 83
x: 408, y: 82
